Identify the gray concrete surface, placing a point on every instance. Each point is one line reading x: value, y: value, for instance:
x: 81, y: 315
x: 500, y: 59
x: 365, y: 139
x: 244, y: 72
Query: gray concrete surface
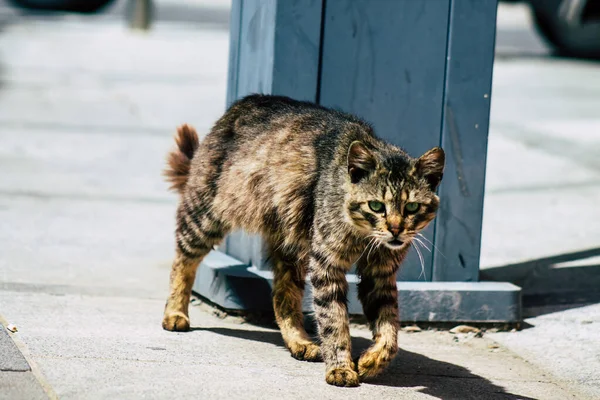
x: 16, y: 379
x: 567, y: 343
x: 542, y: 191
x: 116, y: 346
x: 87, y: 110
x: 20, y: 385
x: 11, y: 358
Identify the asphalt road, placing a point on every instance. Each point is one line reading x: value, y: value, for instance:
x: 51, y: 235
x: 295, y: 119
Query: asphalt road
x: 516, y: 35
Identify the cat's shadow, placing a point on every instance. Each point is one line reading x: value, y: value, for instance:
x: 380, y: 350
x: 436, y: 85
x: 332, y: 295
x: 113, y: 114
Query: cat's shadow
x: 436, y: 378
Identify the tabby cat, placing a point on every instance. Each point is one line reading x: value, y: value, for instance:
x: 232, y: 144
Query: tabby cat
x: 325, y: 193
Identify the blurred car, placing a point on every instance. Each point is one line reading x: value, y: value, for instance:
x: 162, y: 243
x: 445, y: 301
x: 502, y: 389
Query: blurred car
x: 572, y: 27
x: 83, y: 6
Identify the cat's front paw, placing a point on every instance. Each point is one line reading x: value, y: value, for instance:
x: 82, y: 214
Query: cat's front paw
x: 305, y: 351
x: 343, y: 376
x: 176, y: 321
x: 372, y: 362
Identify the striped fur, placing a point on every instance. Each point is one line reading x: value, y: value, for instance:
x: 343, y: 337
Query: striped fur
x: 303, y: 177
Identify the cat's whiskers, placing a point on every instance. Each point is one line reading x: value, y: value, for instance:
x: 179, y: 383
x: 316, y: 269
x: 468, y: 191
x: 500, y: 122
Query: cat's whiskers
x: 431, y: 243
x: 367, y: 246
x: 419, y: 241
x: 420, y: 259
x: 376, y: 244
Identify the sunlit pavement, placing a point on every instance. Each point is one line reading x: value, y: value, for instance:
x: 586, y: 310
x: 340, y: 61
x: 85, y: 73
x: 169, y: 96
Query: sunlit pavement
x: 87, y: 109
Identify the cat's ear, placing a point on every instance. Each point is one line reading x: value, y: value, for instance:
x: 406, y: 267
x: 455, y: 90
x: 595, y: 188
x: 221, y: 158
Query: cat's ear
x: 431, y: 166
x: 360, y: 161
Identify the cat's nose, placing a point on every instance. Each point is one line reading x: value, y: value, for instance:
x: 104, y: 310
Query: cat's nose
x: 395, y: 229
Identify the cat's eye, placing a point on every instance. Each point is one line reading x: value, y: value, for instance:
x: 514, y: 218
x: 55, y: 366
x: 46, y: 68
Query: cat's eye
x: 377, y: 206
x: 411, y: 207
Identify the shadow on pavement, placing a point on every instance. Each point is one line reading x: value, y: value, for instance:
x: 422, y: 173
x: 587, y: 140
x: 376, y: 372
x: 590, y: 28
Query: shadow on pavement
x: 549, y: 286
x: 435, y: 378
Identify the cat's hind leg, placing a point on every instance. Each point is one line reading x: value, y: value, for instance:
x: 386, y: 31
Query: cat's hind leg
x: 198, y: 230
x: 289, y: 273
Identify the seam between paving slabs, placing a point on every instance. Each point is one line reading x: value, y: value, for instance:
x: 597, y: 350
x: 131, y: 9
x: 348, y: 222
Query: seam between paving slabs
x: 35, y: 369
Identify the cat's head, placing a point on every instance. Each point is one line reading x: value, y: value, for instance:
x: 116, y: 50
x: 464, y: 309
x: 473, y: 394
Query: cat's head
x: 391, y: 197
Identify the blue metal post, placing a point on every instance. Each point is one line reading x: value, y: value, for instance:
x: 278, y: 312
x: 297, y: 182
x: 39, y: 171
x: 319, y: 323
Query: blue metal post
x: 420, y: 72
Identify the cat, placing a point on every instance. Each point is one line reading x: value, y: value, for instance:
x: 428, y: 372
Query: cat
x: 325, y: 193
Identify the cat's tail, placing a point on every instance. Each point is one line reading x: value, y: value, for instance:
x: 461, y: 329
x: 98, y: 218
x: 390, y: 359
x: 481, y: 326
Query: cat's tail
x: 180, y: 159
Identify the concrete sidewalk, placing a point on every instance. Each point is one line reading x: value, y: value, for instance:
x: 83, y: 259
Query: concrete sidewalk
x: 100, y: 347
x: 87, y: 109
x: 540, y: 227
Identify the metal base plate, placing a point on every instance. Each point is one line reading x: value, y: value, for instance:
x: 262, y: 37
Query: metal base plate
x: 234, y: 285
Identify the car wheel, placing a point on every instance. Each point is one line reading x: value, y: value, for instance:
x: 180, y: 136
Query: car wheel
x: 578, y: 39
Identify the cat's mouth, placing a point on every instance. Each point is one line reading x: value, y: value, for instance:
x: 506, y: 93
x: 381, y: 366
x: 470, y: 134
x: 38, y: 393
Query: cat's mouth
x: 395, y: 243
